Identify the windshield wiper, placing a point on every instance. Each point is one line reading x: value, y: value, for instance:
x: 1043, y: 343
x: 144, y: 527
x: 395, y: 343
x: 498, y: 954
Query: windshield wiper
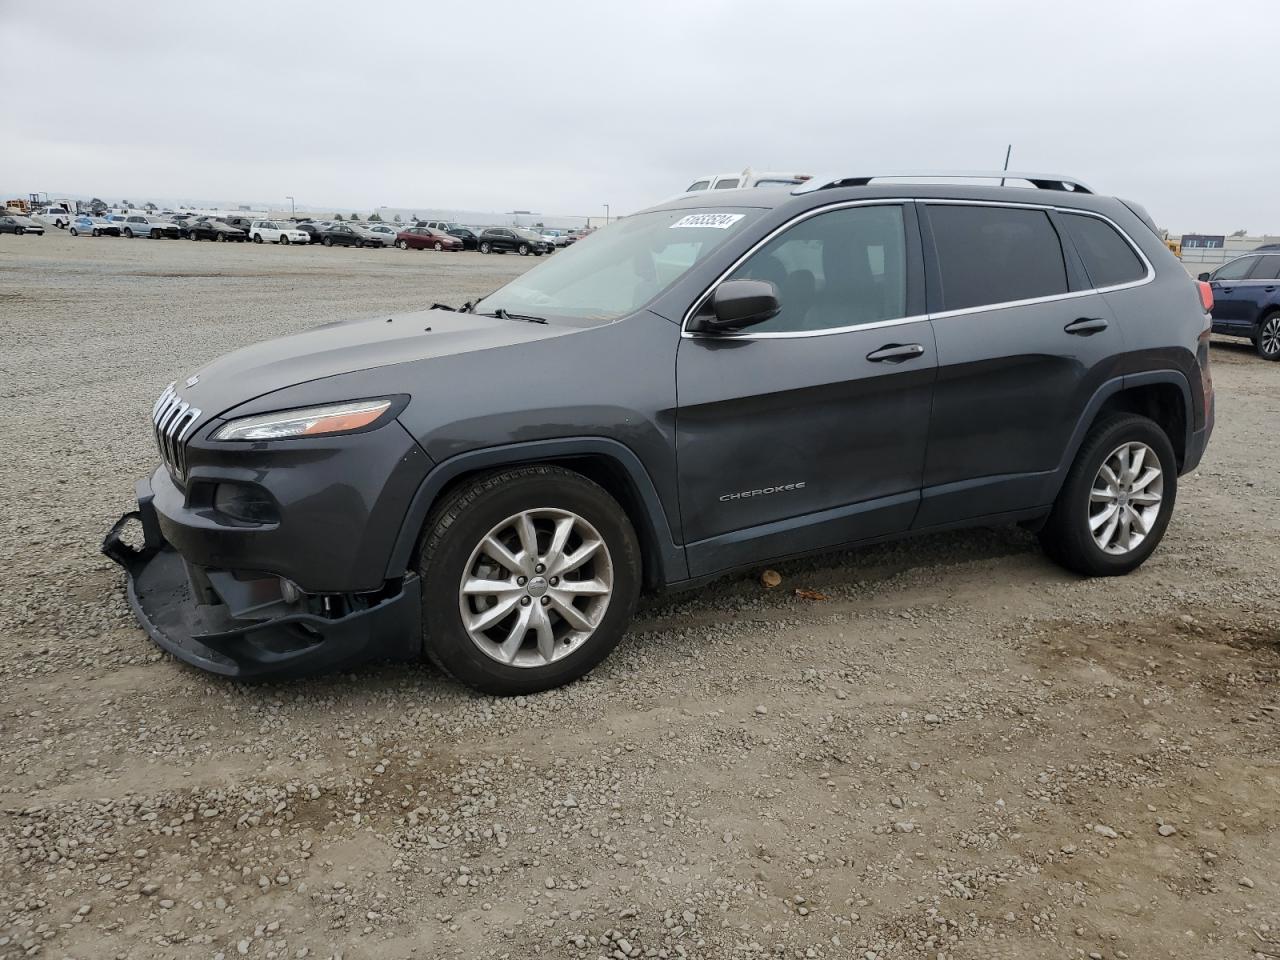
x: 506, y: 315
x: 465, y: 308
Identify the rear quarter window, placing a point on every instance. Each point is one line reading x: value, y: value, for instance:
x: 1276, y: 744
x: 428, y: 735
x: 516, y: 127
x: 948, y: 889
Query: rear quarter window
x: 991, y: 255
x: 1108, y: 258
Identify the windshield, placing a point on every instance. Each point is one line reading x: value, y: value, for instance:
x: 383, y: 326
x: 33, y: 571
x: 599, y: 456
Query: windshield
x: 619, y: 269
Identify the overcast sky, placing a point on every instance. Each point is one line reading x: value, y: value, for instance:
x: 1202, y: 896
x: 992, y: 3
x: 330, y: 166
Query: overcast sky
x: 561, y: 107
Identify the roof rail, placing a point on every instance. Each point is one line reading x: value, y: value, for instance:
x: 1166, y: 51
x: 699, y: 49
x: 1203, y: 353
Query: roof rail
x: 1042, y: 181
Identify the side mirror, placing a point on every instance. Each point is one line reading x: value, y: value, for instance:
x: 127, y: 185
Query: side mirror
x: 1203, y: 276
x: 737, y: 304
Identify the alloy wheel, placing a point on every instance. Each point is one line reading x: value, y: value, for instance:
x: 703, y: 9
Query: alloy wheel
x: 536, y: 587
x: 1269, y: 337
x: 1125, y: 499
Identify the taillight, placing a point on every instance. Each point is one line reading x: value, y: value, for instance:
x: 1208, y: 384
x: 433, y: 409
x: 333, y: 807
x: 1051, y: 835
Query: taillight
x: 1206, y: 295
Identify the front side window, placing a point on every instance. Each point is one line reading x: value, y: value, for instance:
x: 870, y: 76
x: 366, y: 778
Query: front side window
x: 1236, y: 269
x: 699, y: 185
x: 731, y: 184
x: 993, y: 255
x: 843, y: 268
x: 1108, y: 258
x: 624, y: 266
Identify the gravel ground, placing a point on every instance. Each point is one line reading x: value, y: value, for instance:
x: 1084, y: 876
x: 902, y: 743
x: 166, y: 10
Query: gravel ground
x: 948, y: 748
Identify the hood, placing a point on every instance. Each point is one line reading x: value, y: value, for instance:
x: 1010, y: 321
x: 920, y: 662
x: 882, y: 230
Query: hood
x: 348, y: 347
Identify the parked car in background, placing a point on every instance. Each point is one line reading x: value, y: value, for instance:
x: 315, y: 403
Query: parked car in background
x: 93, y: 227
x: 511, y: 239
x: 239, y: 222
x: 554, y: 238
x: 747, y: 178
x: 465, y: 234
x: 277, y: 231
x: 372, y: 237
x: 137, y: 225
x: 339, y: 235
x: 423, y: 238
x: 1246, y: 300
x: 18, y: 224
x: 310, y: 228
x: 53, y: 217
x: 384, y: 232
x: 212, y: 228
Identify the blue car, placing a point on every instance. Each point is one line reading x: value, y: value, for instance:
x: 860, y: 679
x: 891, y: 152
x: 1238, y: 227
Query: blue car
x: 1246, y: 300
x: 93, y: 227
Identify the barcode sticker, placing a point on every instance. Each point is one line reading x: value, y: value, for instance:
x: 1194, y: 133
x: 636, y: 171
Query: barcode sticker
x: 716, y: 221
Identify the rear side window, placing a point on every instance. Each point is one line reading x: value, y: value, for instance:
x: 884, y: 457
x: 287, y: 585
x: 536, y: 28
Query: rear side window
x: 990, y: 255
x: 1107, y: 256
x: 1268, y: 269
x: 727, y: 185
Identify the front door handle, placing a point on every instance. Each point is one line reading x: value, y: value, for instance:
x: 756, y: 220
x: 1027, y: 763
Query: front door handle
x: 1086, y: 326
x: 896, y: 353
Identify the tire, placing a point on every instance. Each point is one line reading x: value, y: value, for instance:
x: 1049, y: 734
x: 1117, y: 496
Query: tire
x: 523, y: 249
x: 220, y: 238
x: 485, y: 248
x: 192, y: 236
x: 327, y: 241
x: 283, y: 241
x: 1068, y: 536
x: 402, y: 244
x: 257, y: 238
x: 1267, y: 343
x: 155, y: 234
x: 19, y: 231
x: 74, y: 232
x: 451, y: 552
x: 439, y: 246
x: 128, y: 233
x: 97, y: 232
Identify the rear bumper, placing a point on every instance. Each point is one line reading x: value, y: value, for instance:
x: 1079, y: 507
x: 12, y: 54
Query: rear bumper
x: 249, y: 633
x: 1199, y: 440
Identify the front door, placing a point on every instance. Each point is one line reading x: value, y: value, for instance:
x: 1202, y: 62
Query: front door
x: 1231, y: 293
x: 808, y: 431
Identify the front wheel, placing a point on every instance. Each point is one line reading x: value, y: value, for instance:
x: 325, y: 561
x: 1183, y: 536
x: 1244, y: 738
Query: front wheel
x: 76, y: 233
x: 485, y: 248
x: 439, y: 246
x: 284, y: 241
x: 530, y: 577
x: 222, y: 238
x: 523, y: 249
x: 19, y: 231
x: 1268, y: 342
x: 328, y: 241
x: 257, y: 238
x: 402, y: 244
x: 155, y: 234
x: 1116, y: 502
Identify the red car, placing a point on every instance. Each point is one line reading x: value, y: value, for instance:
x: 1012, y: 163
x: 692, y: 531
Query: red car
x: 419, y: 238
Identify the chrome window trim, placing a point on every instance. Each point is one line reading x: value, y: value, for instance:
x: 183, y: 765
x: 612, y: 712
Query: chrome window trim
x: 685, y: 333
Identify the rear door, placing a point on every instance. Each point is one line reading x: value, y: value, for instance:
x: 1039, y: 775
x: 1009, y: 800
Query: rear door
x: 808, y: 431
x: 1023, y: 345
x: 1231, y: 293
x: 1258, y: 292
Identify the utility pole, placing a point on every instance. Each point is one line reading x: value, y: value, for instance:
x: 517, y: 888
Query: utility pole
x: 1007, y: 151
x: 606, y: 214
x: 293, y: 208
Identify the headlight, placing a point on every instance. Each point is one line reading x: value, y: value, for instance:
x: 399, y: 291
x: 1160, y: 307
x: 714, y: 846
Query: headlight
x: 306, y: 422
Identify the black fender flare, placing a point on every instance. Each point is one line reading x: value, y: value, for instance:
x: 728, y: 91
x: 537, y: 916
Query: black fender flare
x: 667, y: 556
x: 1105, y: 392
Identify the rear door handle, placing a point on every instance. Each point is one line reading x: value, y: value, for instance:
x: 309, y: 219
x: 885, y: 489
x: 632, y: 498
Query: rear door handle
x: 1086, y: 326
x: 896, y: 353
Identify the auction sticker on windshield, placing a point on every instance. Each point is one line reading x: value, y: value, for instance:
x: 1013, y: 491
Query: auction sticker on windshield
x: 717, y: 221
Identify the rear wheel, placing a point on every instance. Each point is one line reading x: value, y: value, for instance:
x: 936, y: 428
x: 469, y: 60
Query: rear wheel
x: 523, y: 249
x: 485, y: 248
x: 328, y: 241
x: 439, y: 246
x: 75, y: 233
x: 402, y: 244
x: 257, y: 238
x: 128, y: 233
x: 284, y: 241
x: 19, y: 231
x: 155, y: 234
x: 1116, y: 502
x: 1268, y: 340
x: 530, y: 577
x: 222, y: 238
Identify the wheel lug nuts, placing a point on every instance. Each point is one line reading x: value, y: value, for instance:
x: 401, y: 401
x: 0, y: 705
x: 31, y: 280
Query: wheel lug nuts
x: 521, y: 581
x: 525, y: 601
x: 539, y: 568
x: 555, y: 581
x: 546, y: 601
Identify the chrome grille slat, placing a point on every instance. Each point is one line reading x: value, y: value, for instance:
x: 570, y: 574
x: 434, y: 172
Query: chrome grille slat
x: 172, y: 419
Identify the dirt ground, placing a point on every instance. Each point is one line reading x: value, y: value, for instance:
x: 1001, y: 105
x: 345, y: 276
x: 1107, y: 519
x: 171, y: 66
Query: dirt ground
x: 960, y: 751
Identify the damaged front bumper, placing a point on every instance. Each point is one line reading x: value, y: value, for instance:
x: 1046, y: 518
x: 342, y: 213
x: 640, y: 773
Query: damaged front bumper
x: 248, y: 626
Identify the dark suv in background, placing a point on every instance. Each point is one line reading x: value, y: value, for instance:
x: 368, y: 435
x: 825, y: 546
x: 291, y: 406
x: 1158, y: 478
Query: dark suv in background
x: 729, y: 378
x: 512, y: 240
x: 1246, y: 300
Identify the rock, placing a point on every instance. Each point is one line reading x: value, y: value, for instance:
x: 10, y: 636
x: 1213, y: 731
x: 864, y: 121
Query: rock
x: 761, y: 710
x: 770, y: 579
x: 904, y: 826
x: 1102, y: 830
x: 1246, y: 882
x: 1166, y: 830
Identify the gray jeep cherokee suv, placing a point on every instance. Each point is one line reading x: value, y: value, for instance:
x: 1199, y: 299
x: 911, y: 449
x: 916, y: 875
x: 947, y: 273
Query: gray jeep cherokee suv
x: 721, y: 380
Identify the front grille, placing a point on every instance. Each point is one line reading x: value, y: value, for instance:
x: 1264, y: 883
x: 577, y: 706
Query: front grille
x: 172, y: 419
